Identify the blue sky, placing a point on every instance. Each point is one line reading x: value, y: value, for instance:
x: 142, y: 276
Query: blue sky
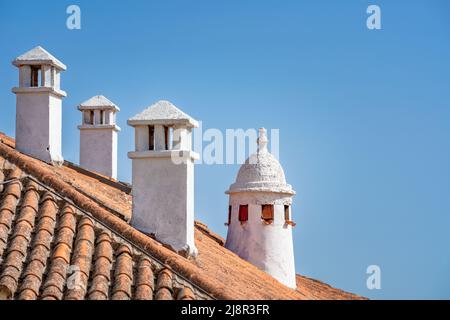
x: 363, y: 115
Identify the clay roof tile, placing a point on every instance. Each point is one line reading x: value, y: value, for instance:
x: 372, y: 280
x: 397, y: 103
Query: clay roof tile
x: 186, y: 293
x: 145, y: 280
x: 123, y: 275
x: 164, y: 289
x: 102, y: 268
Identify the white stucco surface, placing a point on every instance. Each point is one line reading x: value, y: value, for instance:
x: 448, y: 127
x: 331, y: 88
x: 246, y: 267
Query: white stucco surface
x: 39, y: 123
x: 269, y: 247
x: 98, y: 150
x: 163, y: 201
x: 261, y: 181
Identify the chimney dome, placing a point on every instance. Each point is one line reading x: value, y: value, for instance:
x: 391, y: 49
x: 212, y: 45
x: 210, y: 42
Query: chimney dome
x: 261, y: 172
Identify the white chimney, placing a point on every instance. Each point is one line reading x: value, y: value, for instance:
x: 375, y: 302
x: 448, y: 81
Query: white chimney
x: 259, y: 215
x: 163, y: 175
x: 39, y: 105
x: 98, y: 136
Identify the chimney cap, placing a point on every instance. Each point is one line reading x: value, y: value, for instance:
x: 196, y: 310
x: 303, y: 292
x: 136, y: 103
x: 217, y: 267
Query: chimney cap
x: 98, y: 102
x: 38, y: 56
x: 162, y: 112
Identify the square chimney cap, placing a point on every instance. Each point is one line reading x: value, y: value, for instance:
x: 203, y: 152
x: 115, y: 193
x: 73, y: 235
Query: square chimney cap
x: 163, y: 112
x: 98, y: 103
x: 38, y: 56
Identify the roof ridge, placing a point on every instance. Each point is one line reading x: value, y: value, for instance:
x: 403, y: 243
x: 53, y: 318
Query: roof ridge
x: 206, y: 231
x: 122, y: 186
x: 172, y: 259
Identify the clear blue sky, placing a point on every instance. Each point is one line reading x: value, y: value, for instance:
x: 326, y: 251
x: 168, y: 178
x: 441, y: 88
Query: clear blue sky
x: 363, y: 115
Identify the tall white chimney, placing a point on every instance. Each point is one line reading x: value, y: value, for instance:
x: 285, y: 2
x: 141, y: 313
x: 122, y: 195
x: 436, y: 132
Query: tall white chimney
x: 98, y: 136
x: 163, y: 175
x: 39, y: 105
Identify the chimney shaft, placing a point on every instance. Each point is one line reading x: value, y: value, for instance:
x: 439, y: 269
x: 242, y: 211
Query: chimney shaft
x: 39, y: 105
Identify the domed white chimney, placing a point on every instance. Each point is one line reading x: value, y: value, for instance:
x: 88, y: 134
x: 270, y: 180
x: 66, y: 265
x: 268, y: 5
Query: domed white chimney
x: 259, y: 215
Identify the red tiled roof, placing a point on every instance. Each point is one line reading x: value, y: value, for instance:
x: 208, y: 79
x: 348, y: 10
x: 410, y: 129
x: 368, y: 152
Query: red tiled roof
x: 53, y: 218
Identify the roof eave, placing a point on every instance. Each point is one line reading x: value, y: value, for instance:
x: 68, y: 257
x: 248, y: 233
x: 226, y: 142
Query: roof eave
x: 105, y: 107
x: 57, y: 64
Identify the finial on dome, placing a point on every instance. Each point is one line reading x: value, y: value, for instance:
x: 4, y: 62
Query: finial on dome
x: 262, y: 140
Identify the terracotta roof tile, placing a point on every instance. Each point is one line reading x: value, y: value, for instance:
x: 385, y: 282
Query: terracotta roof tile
x: 17, y: 250
x: 8, y: 206
x: 186, y: 293
x: 56, y: 277
x: 40, y: 249
x: 82, y: 259
x: 99, y: 290
x: 164, y: 285
x: 145, y: 280
x: 30, y: 288
x: 84, y: 247
x: 15, y: 187
x: 123, y: 276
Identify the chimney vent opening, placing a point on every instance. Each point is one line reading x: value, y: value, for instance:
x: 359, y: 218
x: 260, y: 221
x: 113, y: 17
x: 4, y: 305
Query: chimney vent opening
x: 267, y: 213
x: 91, y: 117
x: 230, y: 208
x: 287, y: 213
x: 151, y: 137
x: 168, y: 138
x: 243, y: 213
x: 35, y: 76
